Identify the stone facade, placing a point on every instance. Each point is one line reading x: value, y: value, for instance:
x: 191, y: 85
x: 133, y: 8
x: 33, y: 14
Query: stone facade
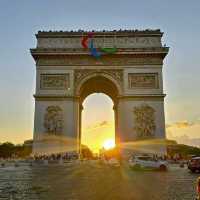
x: 66, y: 73
x: 117, y: 74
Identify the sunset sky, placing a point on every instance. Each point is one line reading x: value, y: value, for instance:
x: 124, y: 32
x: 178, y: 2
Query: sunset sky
x: 20, y: 20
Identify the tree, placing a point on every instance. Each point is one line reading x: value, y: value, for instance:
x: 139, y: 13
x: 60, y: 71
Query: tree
x: 8, y: 150
x: 86, y: 152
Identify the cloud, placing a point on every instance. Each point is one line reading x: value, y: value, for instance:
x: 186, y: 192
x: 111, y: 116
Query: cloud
x: 103, y: 123
x: 98, y: 125
x: 180, y: 124
x: 184, y: 132
x: 185, y: 139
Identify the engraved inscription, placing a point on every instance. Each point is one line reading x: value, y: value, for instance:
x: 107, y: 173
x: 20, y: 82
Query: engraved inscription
x: 54, y: 81
x: 143, y: 80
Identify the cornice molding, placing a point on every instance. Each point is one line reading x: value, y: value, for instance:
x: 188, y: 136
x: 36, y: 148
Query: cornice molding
x: 80, y: 51
x: 106, y: 60
x: 53, y: 97
x: 73, y: 33
x: 142, y: 97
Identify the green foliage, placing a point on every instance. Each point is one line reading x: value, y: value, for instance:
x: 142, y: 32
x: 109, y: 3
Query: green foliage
x: 171, y: 142
x: 183, y: 150
x: 86, y: 152
x: 8, y: 150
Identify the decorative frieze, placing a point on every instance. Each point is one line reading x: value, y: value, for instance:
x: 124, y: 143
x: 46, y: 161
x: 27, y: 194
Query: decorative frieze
x: 144, y: 123
x: 54, y: 81
x: 143, y: 80
x: 53, y: 120
x: 99, y: 42
x: 104, y: 61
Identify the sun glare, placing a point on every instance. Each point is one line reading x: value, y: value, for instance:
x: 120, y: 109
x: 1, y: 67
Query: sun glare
x: 109, y: 144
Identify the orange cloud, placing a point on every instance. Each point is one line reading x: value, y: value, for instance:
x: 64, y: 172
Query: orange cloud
x: 184, y: 132
x: 103, y: 123
x: 180, y: 124
x: 98, y: 125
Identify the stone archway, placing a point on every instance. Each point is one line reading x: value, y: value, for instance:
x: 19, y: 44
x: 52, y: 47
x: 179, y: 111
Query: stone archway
x: 132, y: 76
x: 98, y: 83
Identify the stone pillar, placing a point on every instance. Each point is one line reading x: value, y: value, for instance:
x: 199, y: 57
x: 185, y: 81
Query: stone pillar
x: 80, y: 128
x: 48, y: 142
x: 140, y: 122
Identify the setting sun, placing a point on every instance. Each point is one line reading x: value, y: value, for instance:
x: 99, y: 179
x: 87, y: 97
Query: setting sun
x: 109, y: 144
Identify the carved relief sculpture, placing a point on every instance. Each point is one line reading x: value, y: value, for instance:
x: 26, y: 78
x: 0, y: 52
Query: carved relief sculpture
x: 117, y: 74
x: 143, y: 80
x: 53, y: 120
x: 54, y: 81
x: 144, y: 121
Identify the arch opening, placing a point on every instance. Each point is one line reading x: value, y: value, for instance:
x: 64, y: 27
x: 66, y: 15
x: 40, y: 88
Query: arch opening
x: 98, y: 101
x: 98, y: 84
x: 98, y: 122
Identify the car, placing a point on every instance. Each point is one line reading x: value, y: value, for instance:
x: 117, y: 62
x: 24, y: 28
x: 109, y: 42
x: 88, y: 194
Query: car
x: 148, y: 162
x: 112, y: 162
x: 194, y: 164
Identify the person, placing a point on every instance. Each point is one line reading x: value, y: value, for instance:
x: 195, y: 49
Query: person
x: 198, y: 189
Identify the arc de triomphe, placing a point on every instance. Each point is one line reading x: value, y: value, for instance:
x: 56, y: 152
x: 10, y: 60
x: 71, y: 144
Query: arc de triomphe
x: 68, y: 69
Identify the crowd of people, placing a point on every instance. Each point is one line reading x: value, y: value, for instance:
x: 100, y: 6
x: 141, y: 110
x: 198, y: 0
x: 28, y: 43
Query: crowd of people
x: 56, y: 156
x: 198, y: 189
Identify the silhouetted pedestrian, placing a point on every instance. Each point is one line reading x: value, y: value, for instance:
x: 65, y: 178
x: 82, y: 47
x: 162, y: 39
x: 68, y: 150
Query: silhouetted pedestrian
x: 198, y: 189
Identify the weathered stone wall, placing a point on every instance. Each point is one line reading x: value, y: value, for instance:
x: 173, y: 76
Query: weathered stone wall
x: 62, y: 66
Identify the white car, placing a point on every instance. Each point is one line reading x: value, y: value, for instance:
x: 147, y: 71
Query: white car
x: 148, y: 162
x: 112, y: 162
